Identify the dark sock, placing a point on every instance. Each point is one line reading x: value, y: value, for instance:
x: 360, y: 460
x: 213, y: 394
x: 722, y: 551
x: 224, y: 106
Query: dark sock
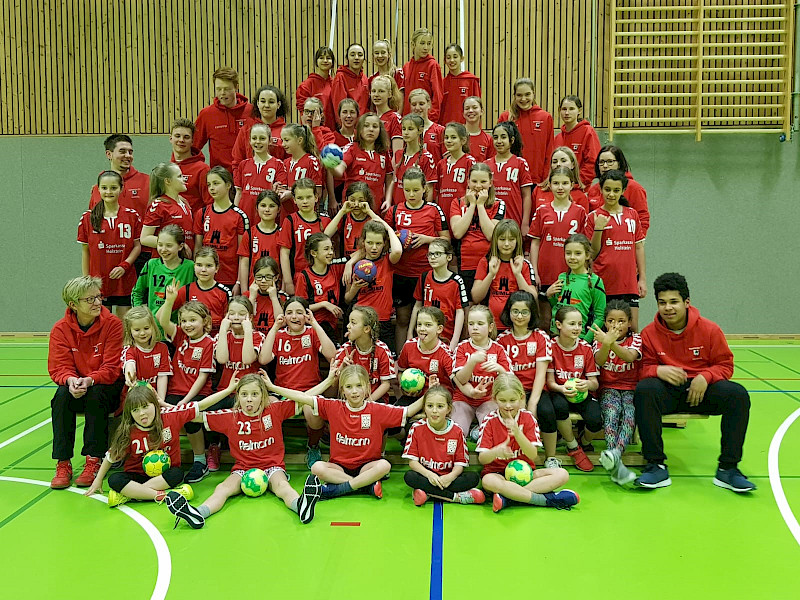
x: 314, y: 436
x: 331, y: 490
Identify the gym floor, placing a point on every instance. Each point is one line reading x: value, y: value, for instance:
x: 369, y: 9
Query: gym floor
x: 689, y: 540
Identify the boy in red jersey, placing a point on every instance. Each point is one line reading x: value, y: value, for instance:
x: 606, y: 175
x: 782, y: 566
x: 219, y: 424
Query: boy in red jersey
x: 135, y: 185
x: 192, y: 163
x: 686, y: 367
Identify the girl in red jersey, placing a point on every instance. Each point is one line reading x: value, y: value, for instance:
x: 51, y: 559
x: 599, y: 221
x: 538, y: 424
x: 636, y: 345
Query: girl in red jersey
x: 206, y: 289
x: 451, y: 172
x: 192, y: 367
x: 504, y: 270
x: 269, y: 108
x: 350, y: 81
x: 318, y: 85
x: 145, y: 426
x: 458, y: 85
x: 611, y: 158
x: 261, y: 172
x: 512, y: 433
x: 473, y: 219
x: 267, y: 299
x: 427, y: 352
x: 238, y: 344
x: 364, y: 348
x: 618, y: 353
x: 443, y: 289
x: 350, y: 220
x: 424, y: 223
x: 618, y: 244
x: 109, y: 238
x: 302, y: 162
x: 413, y: 155
x: 222, y: 226
x: 321, y: 283
x: 573, y: 363
x: 262, y: 238
x: 367, y: 158
x: 420, y: 102
x: 167, y: 207
x: 563, y: 158
x: 481, y: 145
x: 144, y: 355
x: 386, y: 100
x: 384, y: 65
x: 357, y: 429
x: 422, y: 72
x: 535, y: 126
x: 348, y: 113
x: 578, y: 135
x: 312, y: 117
x: 295, y: 231
x: 512, y: 179
x: 253, y: 426
x: 478, y: 360
x: 437, y: 454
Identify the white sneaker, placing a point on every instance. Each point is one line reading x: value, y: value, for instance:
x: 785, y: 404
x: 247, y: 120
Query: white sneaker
x: 552, y: 463
x: 610, y: 459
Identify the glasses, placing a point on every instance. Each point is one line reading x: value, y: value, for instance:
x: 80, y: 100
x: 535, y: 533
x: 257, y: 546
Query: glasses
x: 520, y: 313
x: 92, y: 299
x: 264, y: 277
x: 435, y: 254
x: 607, y: 163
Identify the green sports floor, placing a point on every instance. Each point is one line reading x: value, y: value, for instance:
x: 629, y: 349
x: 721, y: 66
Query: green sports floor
x: 691, y: 540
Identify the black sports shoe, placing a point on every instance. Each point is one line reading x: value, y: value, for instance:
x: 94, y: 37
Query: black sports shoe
x: 198, y: 472
x: 180, y: 507
x: 312, y: 489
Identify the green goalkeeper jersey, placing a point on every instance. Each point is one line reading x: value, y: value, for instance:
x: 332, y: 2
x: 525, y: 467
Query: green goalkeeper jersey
x: 151, y: 286
x: 586, y: 293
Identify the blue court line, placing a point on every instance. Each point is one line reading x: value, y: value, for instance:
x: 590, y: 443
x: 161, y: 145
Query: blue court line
x: 436, y: 551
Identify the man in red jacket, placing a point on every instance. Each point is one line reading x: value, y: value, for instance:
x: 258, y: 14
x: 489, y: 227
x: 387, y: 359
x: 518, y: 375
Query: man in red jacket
x: 686, y: 367
x: 85, y: 350
x: 135, y: 185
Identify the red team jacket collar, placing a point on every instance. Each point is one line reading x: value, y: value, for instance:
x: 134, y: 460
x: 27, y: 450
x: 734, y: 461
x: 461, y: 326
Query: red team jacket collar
x: 578, y: 130
x: 196, y: 157
x: 72, y: 321
x: 317, y: 81
x: 348, y: 72
x: 693, y: 315
x: 240, y: 102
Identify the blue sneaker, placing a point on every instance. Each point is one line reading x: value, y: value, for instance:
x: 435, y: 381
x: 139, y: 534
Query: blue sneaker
x: 563, y: 500
x: 732, y: 479
x: 313, y: 455
x: 654, y: 476
x: 197, y: 472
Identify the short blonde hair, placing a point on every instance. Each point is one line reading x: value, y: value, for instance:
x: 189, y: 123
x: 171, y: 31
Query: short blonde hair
x: 77, y: 288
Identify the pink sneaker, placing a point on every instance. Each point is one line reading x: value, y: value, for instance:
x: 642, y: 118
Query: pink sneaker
x: 420, y: 497
x: 473, y: 496
x: 212, y: 457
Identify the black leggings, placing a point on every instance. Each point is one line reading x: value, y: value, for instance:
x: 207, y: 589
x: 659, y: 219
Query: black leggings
x: 553, y: 406
x: 96, y: 404
x: 117, y: 481
x: 466, y: 481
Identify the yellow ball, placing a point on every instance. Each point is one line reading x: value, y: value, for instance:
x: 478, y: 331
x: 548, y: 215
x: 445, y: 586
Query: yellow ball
x: 155, y: 462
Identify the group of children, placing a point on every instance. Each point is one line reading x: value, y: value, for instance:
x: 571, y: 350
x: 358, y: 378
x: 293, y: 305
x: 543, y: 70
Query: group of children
x: 499, y: 271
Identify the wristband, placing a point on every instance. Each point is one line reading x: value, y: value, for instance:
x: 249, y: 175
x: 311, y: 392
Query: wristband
x: 126, y: 266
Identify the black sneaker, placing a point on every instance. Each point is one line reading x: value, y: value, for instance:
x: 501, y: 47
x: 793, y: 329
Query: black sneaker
x: 312, y: 489
x: 198, y: 472
x: 180, y: 507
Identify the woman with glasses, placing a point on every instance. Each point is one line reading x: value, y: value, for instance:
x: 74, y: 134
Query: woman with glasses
x: 83, y: 361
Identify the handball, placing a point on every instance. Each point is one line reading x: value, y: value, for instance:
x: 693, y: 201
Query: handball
x: 331, y: 155
x: 519, y: 472
x: 405, y: 237
x: 412, y: 381
x: 365, y: 270
x: 579, y: 396
x: 155, y: 463
x: 254, y: 483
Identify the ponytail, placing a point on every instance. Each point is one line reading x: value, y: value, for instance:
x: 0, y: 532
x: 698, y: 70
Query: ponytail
x: 99, y: 211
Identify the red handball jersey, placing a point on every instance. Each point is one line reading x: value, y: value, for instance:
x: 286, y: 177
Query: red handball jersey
x: 427, y: 219
x: 135, y: 192
x: 172, y: 419
x: 320, y: 288
x: 191, y: 358
x: 456, y: 89
x: 370, y: 167
x: 378, y: 362
x: 433, y: 142
x: 403, y: 162
x: 378, y: 294
x: 481, y: 146
x: 297, y: 358
x: 536, y: 128
x: 494, y: 353
x: 242, y: 150
x: 448, y: 295
x: 618, y: 374
x: 357, y: 434
x: 222, y: 231
x: 194, y: 170
x: 164, y: 211
x: 474, y: 245
x: 494, y: 432
x: 255, y: 177
x: 256, y: 244
x: 616, y: 263
x: 452, y: 179
x: 391, y: 122
x: 635, y: 194
x: 437, y: 451
x: 294, y: 233
x: 576, y: 362
x: 235, y: 361
x: 149, y: 363
x: 552, y: 228
x: 527, y: 354
x: 542, y: 197
x: 509, y: 179
x: 111, y: 246
x: 215, y: 298
x: 307, y: 165
x: 437, y: 364
x: 350, y: 230
x: 256, y: 442
x: 264, y: 313
x: 503, y: 285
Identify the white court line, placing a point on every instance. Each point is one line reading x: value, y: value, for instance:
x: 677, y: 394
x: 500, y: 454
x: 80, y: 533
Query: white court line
x: 162, y: 551
x: 26, y: 432
x: 775, y: 476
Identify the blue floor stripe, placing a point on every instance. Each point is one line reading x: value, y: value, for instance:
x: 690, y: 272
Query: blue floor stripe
x: 436, y: 551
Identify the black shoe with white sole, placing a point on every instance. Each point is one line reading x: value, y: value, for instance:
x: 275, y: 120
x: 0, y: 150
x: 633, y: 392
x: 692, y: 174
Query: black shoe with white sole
x: 312, y: 489
x: 180, y: 507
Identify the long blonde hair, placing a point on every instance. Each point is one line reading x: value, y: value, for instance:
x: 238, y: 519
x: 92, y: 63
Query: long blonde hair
x: 138, y: 396
x: 395, y: 97
x: 513, y: 110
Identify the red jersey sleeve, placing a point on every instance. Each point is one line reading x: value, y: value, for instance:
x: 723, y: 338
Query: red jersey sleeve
x: 285, y: 234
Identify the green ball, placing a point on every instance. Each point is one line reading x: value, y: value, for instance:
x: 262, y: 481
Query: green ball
x: 519, y: 472
x: 254, y: 483
x: 579, y: 396
x: 155, y: 463
x: 412, y: 381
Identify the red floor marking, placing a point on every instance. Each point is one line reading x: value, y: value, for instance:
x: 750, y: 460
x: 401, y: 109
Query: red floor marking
x: 345, y: 524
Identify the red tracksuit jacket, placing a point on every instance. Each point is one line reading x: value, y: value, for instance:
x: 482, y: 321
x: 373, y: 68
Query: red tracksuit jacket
x: 424, y: 73
x: 536, y: 128
x: 219, y: 126
x: 583, y: 141
x: 347, y: 84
